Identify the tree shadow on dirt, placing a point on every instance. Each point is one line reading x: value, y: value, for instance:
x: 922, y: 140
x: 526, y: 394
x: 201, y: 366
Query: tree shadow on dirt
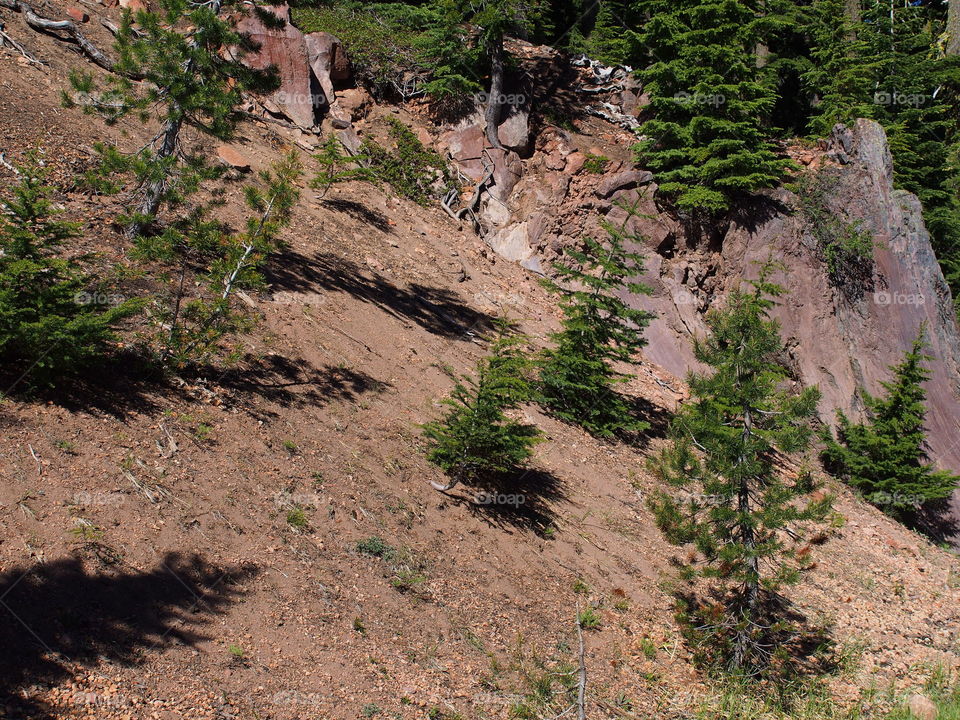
x: 937, y: 521
x: 294, y: 383
x: 360, y: 212
x: 112, y: 386
x: 437, y: 310
x: 521, y: 501
x: 656, y: 416
x: 57, y: 615
x: 785, y: 647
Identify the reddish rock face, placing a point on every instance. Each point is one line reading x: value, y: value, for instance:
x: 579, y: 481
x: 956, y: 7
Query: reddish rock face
x: 286, y: 50
x: 840, y: 345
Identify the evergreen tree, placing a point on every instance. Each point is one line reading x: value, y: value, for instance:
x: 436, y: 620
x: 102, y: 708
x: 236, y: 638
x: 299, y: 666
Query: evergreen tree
x: 179, y: 67
x: 612, y: 39
x: 475, y: 438
x: 51, y: 319
x: 705, y: 138
x: 335, y: 166
x: 190, y: 328
x: 496, y: 19
x: 737, y: 504
x: 577, y: 376
x: 884, y: 458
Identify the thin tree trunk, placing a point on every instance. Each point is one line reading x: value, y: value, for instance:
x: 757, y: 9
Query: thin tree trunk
x: 953, y: 28
x: 495, y: 99
x: 852, y: 14
x: 154, y: 191
x: 749, y: 542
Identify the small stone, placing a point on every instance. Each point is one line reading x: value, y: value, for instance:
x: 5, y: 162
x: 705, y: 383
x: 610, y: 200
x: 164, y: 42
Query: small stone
x: 77, y: 14
x: 922, y: 707
x: 233, y: 157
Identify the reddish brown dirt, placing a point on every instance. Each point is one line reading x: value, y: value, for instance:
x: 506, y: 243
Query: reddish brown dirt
x: 139, y: 581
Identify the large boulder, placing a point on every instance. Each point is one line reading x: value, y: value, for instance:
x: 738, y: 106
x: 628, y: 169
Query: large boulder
x: 285, y: 49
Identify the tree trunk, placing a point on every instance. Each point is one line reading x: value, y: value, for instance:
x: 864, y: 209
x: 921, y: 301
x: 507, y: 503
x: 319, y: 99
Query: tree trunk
x: 495, y: 99
x: 154, y: 191
x: 851, y: 14
x: 743, y: 640
x: 953, y: 28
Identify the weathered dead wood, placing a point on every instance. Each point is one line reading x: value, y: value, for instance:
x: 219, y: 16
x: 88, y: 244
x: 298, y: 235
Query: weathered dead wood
x: 7, y: 41
x: 55, y: 27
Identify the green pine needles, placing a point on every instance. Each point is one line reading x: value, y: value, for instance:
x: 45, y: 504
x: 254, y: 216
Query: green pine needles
x: 52, y: 322
x: 192, y: 318
x: 174, y: 69
x: 705, y: 138
x: 578, y: 376
x: 337, y: 167
x: 476, y: 439
x: 724, y: 493
x: 884, y: 458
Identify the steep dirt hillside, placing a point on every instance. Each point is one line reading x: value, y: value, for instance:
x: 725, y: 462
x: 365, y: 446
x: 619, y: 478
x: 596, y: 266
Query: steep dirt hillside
x: 262, y: 541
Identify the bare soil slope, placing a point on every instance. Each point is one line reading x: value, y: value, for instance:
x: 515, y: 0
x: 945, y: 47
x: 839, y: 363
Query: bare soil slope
x: 148, y: 568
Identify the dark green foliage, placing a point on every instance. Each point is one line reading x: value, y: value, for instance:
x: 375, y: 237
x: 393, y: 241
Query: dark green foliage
x: 612, y: 39
x: 595, y: 164
x: 578, y: 377
x: 194, y: 315
x: 475, y: 439
x: 705, y: 135
x: 335, y: 166
x: 724, y: 493
x: 412, y: 170
x: 892, y: 69
x: 173, y: 70
x: 845, y: 248
x: 52, y: 322
x: 884, y: 458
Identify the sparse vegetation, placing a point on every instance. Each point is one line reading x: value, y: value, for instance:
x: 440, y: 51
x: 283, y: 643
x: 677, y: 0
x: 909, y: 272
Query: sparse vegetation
x: 412, y: 170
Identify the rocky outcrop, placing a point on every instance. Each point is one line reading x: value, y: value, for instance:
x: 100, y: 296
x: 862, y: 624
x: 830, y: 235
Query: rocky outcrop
x: 843, y: 345
x: 307, y: 66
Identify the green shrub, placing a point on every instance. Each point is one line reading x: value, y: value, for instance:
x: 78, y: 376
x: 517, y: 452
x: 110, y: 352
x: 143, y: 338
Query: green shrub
x: 475, y: 438
x: 50, y: 321
x: 844, y: 246
x: 375, y: 547
x: 412, y: 170
x: 596, y: 164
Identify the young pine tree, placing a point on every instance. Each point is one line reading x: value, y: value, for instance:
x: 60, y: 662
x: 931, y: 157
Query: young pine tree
x: 191, y: 328
x: 884, y: 458
x: 50, y: 322
x: 179, y: 68
x: 577, y: 376
x: 337, y: 167
x: 704, y: 137
x: 475, y: 438
x: 737, y: 504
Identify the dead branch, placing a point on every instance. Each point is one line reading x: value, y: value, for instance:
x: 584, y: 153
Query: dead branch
x: 7, y: 41
x: 54, y: 27
x: 582, y: 679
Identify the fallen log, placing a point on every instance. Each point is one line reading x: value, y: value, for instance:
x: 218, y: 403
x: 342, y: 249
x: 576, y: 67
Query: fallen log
x: 55, y: 27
